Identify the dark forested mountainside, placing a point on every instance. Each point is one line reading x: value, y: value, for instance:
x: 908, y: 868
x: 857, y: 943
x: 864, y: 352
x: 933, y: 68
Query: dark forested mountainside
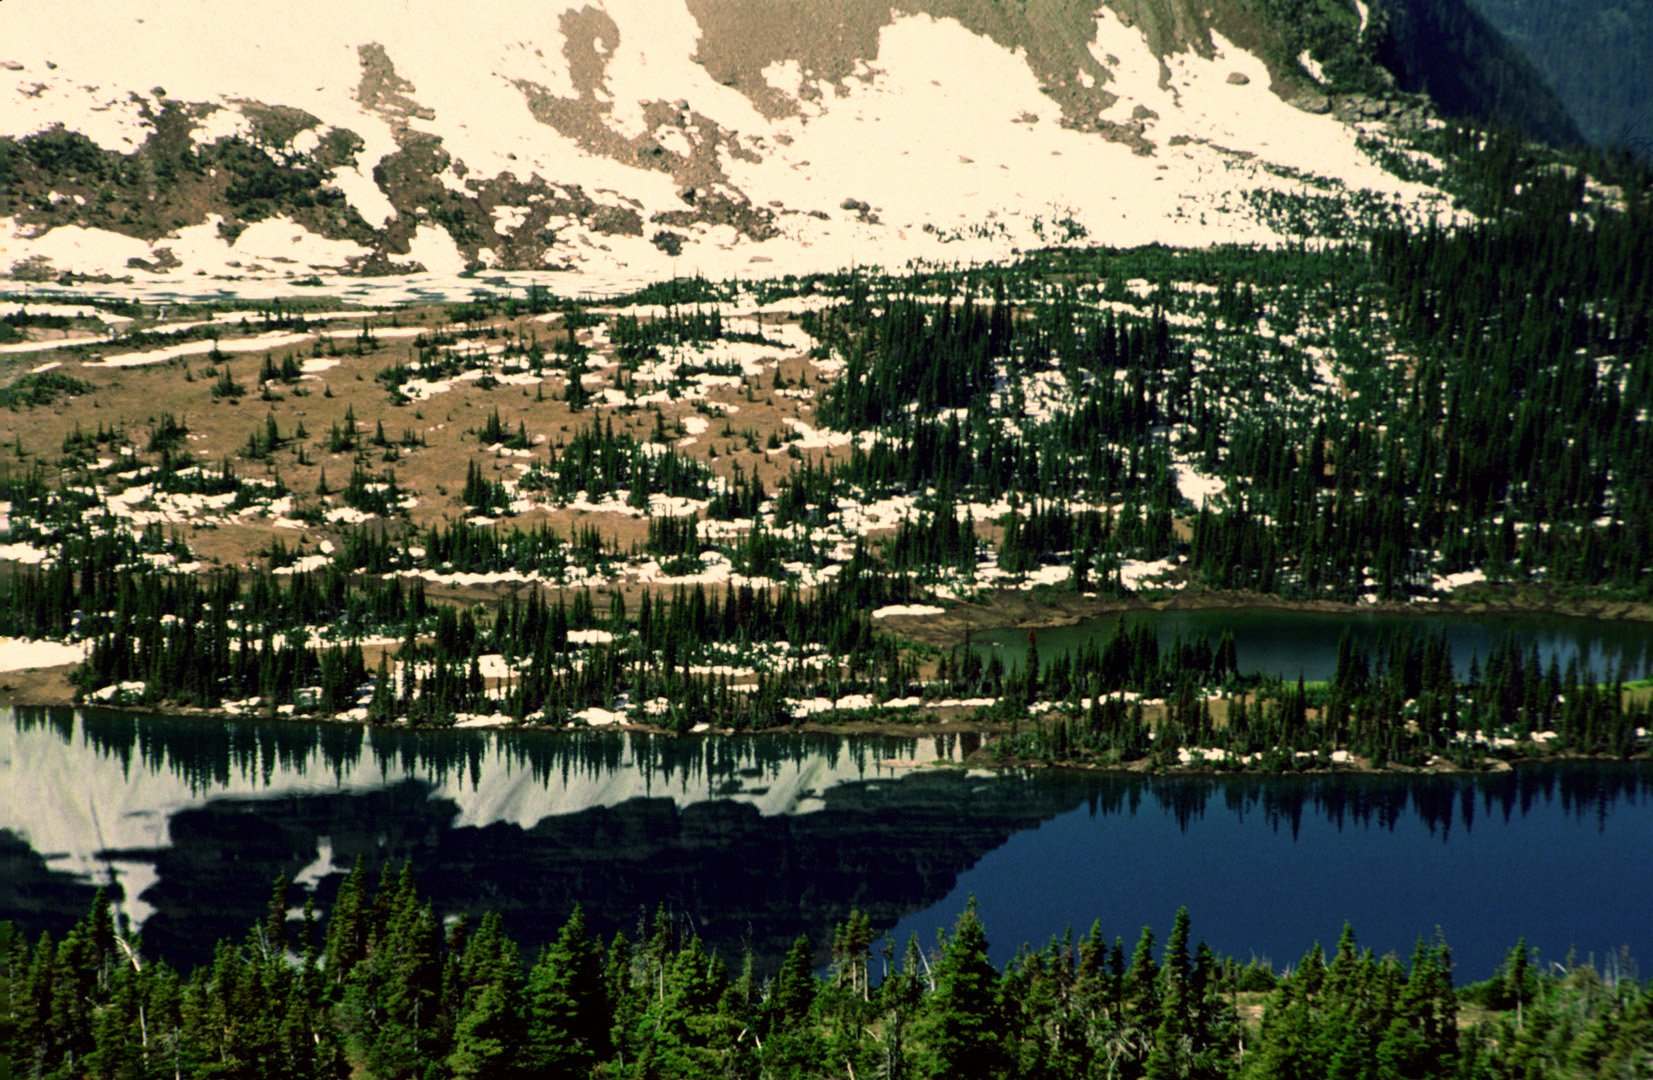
x: 1448, y: 50
x: 1598, y: 57
x: 389, y: 991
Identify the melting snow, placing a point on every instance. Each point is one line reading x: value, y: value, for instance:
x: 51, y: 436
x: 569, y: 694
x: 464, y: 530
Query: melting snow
x: 907, y: 609
x: 17, y: 654
x: 1195, y: 486
x: 892, y: 136
x: 1449, y: 582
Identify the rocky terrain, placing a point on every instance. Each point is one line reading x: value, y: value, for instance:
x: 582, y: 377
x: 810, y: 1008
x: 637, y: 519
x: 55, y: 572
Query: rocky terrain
x: 634, y: 140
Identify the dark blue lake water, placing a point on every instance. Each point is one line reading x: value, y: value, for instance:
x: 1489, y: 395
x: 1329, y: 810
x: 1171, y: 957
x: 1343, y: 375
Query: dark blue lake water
x: 1562, y: 856
x: 756, y: 840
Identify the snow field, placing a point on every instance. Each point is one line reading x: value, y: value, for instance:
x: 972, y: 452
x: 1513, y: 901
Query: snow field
x: 1013, y: 177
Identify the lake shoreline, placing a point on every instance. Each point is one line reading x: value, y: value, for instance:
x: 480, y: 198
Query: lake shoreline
x: 1358, y: 767
x: 983, y: 758
x: 1010, y: 609
x: 1003, y: 609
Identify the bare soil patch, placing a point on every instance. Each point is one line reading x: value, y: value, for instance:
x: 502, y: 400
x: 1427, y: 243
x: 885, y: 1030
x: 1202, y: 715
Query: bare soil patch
x: 431, y: 444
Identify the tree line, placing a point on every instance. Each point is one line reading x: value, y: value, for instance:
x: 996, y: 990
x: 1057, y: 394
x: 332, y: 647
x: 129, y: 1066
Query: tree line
x: 386, y: 988
x: 1400, y: 703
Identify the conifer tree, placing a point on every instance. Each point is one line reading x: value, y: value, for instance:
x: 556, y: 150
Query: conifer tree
x: 567, y: 1007
x: 960, y: 1026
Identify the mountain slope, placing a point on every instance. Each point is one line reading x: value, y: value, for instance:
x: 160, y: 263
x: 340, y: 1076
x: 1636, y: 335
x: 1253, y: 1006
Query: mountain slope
x: 633, y: 138
x: 1446, y: 49
x: 1595, y: 53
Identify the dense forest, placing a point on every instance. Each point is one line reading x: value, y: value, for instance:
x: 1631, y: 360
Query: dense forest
x: 1514, y: 442
x: 1452, y: 51
x: 1594, y: 54
x: 389, y: 989
x: 225, y: 640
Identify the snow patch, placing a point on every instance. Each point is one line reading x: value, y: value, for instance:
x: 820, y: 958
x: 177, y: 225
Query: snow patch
x: 1449, y: 582
x: 1195, y: 486
x: 907, y: 609
x: 19, y: 654
x: 1312, y: 66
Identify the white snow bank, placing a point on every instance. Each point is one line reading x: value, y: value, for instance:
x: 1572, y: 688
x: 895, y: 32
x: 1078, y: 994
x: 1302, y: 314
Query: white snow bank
x: 23, y: 553
x: 18, y: 654
x: 1195, y: 486
x: 906, y: 609
x: 1449, y: 582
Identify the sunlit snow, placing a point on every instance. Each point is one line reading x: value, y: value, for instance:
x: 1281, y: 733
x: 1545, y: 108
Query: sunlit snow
x: 1013, y: 177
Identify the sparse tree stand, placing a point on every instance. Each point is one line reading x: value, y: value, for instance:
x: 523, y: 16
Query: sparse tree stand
x: 226, y: 388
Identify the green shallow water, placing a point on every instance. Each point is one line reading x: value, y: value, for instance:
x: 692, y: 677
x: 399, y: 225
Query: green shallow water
x: 1288, y: 643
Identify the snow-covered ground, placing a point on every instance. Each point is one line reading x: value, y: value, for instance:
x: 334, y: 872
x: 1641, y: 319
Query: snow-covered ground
x: 948, y: 136
x: 17, y: 654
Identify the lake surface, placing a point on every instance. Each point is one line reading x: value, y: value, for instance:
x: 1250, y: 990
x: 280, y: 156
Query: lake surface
x: 1289, y: 643
x: 755, y: 840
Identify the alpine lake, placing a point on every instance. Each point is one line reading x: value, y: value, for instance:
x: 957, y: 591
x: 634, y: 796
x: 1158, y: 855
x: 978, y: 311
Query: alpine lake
x: 754, y: 840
